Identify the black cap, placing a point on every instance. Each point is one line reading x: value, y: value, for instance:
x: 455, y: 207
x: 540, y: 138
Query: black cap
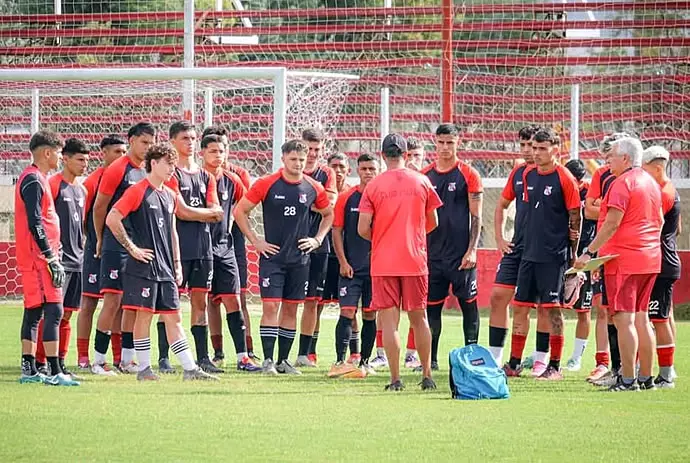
x: 394, y: 140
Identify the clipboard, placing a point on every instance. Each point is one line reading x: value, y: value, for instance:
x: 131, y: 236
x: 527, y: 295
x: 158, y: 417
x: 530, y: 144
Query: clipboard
x: 592, y: 265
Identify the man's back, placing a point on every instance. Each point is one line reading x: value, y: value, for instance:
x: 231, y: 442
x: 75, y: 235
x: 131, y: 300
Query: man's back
x: 399, y: 201
x: 637, y: 239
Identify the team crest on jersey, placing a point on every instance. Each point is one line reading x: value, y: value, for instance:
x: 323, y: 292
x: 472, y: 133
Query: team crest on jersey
x: 145, y: 292
x: 451, y: 186
x: 302, y: 198
x: 93, y: 278
x: 547, y: 190
x: 224, y: 195
x: 343, y: 291
x: 266, y: 282
x: 81, y: 202
x: 75, y: 216
x: 114, y: 274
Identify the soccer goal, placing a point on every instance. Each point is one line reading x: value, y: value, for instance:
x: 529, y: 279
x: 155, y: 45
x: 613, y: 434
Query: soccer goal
x: 260, y: 106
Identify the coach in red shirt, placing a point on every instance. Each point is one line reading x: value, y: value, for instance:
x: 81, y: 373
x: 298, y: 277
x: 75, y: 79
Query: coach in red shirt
x: 397, y: 210
x: 632, y: 230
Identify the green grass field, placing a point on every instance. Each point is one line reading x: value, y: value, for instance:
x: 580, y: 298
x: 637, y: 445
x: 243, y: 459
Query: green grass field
x: 312, y: 418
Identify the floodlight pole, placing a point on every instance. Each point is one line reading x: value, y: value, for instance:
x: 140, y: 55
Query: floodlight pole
x: 279, y: 116
x: 188, y: 84
x: 35, y: 110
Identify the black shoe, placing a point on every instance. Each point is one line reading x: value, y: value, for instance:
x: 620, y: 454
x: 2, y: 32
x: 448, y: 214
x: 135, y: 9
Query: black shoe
x: 208, y: 367
x: 647, y: 385
x: 428, y: 384
x: 164, y: 366
x: 621, y: 386
x: 254, y: 357
x: 663, y: 383
x: 396, y: 386
x: 434, y: 365
x: 43, y: 368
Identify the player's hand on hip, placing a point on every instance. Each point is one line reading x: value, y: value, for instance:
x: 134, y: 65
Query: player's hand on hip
x: 142, y: 255
x: 505, y: 247
x: 308, y: 244
x: 266, y: 249
x: 469, y: 260
x: 346, y: 271
x: 57, y: 272
x: 178, y: 273
x: 581, y: 261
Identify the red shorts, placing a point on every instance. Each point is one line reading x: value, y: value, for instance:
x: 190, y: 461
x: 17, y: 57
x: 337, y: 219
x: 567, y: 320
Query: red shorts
x: 408, y: 293
x: 629, y: 293
x: 38, y: 287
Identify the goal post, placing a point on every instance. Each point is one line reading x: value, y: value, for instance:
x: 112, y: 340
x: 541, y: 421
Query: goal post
x: 279, y: 78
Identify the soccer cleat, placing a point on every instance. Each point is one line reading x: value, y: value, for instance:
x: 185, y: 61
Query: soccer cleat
x: 663, y: 383
x: 269, y: 368
x: 304, y: 361
x: 354, y: 359
x: 597, y: 373
x: 286, y: 368
x: 130, y: 368
x: 512, y: 372
x: 43, y: 368
x: 247, y: 365
x: 620, y: 386
x: 339, y: 369
x: 574, y: 364
x: 255, y: 359
x: 164, y: 366
x: 419, y: 369
x: 412, y: 361
x: 396, y: 386
x: 357, y: 373
x: 208, y: 367
x: 673, y: 375
x: 428, y: 384
x: 368, y: 369
x: 103, y: 369
x: 528, y: 363
x: 608, y: 380
x: 379, y: 361
x: 218, y: 360
x: 538, y: 369
x: 647, y: 385
x: 551, y: 374
x: 198, y: 375
x: 147, y: 374
x: 31, y: 379
x: 313, y: 358
x: 84, y: 365
x: 69, y: 373
x: 60, y: 379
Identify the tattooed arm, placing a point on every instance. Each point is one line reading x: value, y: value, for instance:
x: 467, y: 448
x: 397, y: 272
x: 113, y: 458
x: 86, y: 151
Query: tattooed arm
x: 114, y: 222
x: 476, y: 203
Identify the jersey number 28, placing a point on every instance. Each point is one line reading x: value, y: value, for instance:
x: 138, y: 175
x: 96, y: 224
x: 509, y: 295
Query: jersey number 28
x: 289, y: 210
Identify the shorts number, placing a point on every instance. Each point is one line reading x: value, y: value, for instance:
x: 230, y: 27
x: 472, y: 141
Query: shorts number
x: 289, y: 210
x: 194, y: 202
x: 653, y: 306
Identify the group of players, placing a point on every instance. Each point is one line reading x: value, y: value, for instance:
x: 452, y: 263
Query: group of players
x: 156, y: 222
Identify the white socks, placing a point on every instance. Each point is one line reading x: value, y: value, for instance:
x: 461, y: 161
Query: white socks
x: 143, y: 350
x: 181, y: 349
x: 579, y: 348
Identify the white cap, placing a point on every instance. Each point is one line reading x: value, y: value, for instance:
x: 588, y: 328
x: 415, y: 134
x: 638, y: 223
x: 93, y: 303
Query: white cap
x: 653, y: 153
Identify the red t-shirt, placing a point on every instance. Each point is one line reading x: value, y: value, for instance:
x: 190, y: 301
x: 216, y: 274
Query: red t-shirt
x: 399, y: 201
x: 638, y: 238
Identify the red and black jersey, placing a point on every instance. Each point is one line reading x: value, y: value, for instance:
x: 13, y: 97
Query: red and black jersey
x: 36, y: 224
x: 150, y: 212
x: 514, y: 189
x: 326, y: 177
x: 357, y: 249
x: 670, y: 261
x: 550, y: 195
x: 237, y: 235
x: 286, y: 213
x: 450, y: 240
x: 589, y: 227
x: 91, y: 184
x: 198, y: 189
x: 69, y: 199
x: 117, y: 178
x: 230, y: 190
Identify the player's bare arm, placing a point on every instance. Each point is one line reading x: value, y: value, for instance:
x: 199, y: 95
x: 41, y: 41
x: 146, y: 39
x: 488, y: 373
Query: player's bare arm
x: 592, y: 206
x: 574, y: 223
x: 100, y: 209
x: 608, y: 229
x: 345, y: 267
x: 431, y: 221
x: 503, y: 245
x: 198, y: 214
x: 365, y: 220
x: 476, y: 205
x: 176, y: 252
x: 114, y: 222
x: 241, y: 215
x: 312, y: 243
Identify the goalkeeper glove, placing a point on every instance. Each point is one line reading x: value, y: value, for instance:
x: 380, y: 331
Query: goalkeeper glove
x: 57, y: 272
